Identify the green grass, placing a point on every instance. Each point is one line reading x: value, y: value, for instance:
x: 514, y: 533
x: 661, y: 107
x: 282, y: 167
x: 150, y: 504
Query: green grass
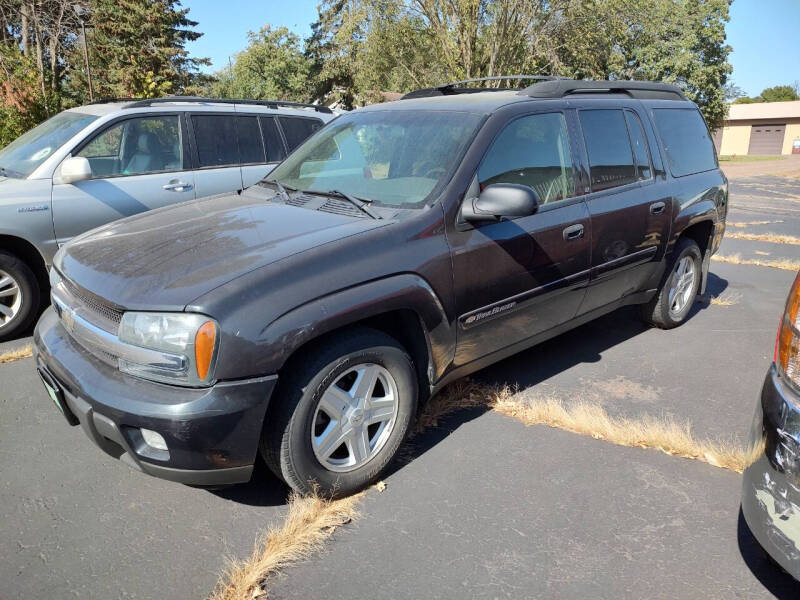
x: 750, y: 157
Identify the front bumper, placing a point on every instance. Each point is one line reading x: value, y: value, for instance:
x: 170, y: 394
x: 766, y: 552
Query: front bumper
x: 212, y: 434
x: 771, y: 482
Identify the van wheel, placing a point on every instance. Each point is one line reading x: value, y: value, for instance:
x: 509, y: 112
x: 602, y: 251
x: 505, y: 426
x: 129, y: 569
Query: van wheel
x: 19, y: 296
x: 340, y: 414
x: 678, y: 291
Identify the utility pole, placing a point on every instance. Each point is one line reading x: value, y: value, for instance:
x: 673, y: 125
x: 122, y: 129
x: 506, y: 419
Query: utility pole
x: 82, y: 13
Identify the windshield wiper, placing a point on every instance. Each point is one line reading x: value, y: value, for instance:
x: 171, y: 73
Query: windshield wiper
x: 362, y: 204
x: 281, y: 188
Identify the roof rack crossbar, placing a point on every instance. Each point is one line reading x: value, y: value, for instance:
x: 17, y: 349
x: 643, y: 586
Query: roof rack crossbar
x: 144, y: 102
x: 646, y: 90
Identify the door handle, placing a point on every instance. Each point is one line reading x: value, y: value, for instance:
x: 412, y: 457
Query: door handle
x: 657, y: 208
x: 175, y: 185
x: 573, y: 232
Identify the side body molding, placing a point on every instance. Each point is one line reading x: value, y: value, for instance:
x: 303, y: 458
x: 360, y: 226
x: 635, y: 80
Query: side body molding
x: 399, y: 292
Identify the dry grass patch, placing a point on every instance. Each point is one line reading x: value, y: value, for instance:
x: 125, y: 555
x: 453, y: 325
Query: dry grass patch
x: 310, y: 521
x: 589, y: 418
x: 586, y: 418
x: 736, y: 259
x: 12, y: 355
x: 742, y: 224
x: 726, y: 299
x: 772, y: 238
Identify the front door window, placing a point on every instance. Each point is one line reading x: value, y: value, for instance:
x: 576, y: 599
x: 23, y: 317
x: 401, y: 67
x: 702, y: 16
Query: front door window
x: 136, y: 147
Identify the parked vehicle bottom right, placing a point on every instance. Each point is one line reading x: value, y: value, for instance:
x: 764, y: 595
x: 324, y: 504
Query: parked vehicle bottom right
x: 771, y: 483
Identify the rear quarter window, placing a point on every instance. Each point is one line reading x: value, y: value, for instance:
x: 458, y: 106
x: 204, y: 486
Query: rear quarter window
x: 297, y: 129
x: 688, y: 146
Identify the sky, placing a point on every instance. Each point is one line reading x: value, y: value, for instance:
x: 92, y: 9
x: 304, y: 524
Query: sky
x: 764, y: 34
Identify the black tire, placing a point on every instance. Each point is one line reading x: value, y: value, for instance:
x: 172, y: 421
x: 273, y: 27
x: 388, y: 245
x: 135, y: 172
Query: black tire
x: 28, y: 286
x: 657, y: 312
x: 286, y: 443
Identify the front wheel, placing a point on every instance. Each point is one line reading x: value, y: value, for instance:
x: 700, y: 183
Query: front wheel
x: 340, y: 414
x: 678, y: 291
x: 19, y: 296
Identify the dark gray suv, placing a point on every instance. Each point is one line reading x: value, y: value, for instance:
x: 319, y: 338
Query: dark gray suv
x: 401, y: 247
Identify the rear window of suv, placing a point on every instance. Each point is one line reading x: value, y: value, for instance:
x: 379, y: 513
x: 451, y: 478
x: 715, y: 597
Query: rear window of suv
x: 686, y: 141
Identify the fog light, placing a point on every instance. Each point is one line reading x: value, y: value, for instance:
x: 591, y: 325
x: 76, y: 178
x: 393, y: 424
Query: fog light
x: 153, y: 439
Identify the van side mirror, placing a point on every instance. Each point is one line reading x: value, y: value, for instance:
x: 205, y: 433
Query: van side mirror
x: 500, y: 200
x: 75, y: 169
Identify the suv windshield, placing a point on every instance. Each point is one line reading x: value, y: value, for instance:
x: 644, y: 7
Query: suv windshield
x: 394, y: 158
x: 28, y: 151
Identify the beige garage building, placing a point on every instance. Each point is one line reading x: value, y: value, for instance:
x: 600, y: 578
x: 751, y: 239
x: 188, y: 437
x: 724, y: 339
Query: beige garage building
x: 764, y: 128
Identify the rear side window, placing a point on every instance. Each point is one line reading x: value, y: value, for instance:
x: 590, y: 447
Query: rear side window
x: 251, y: 148
x: 610, y: 155
x: 686, y: 141
x: 215, y: 136
x: 272, y: 139
x: 639, y: 143
x: 532, y: 151
x: 297, y: 130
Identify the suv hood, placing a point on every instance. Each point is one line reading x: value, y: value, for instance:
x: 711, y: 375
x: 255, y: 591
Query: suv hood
x: 164, y: 259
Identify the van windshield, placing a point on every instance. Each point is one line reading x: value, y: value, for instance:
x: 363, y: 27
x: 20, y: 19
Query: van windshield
x: 21, y: 157
x: 395, y: 158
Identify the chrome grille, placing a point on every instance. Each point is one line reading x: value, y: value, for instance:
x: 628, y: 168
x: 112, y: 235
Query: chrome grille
x: 105, y: 313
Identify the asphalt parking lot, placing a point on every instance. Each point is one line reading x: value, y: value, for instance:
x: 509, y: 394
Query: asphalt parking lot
x: 487, y: 508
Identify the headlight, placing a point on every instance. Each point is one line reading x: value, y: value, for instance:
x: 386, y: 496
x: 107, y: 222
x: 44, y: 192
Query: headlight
x: 188, y: 341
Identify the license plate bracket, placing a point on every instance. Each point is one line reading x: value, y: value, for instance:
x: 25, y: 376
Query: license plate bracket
x: 57, y: 396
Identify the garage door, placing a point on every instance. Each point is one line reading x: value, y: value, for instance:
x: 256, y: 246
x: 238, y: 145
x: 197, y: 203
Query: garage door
x: 766, y: 139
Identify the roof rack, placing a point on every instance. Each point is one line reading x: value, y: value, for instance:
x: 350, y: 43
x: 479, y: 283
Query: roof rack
x: 642, y: 90
x: 453, y: 88
x: 142, y: 102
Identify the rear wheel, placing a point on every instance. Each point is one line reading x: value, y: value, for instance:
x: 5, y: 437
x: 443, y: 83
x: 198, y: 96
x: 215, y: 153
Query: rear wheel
x: 19, y: 296
x: 678, y: 291
x: 341, y: 413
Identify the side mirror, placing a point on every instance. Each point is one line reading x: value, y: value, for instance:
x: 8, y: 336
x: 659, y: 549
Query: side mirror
x: 500, y: 200
x: 75, y: 169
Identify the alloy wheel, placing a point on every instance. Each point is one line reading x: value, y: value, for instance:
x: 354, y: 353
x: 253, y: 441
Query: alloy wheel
x: 682, y: 287
x: 354, y: 417
x: 10, y: 298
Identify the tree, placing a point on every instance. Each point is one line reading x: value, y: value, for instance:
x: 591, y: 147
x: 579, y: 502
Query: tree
x: 359, y: 46
x: 334, y: 47
x: 272, y: 66
x: 137, y: 48
x: 778, y: 93
x: 732, y: 92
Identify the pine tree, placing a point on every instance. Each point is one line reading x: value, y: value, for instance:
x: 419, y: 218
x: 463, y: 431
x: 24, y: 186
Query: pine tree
x: 137, y: 48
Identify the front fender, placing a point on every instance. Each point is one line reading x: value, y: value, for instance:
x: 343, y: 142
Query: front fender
x: 279, y: 339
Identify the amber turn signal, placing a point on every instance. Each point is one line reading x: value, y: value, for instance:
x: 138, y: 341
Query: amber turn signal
x: 204, y: 343
x: 787, y: 348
